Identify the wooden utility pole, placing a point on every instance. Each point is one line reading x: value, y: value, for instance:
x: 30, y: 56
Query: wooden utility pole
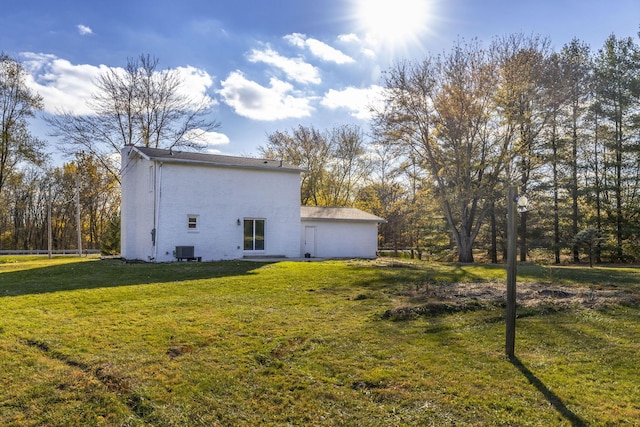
x: 511, y: 272
x: 49, y: 232
x: 78, y: 223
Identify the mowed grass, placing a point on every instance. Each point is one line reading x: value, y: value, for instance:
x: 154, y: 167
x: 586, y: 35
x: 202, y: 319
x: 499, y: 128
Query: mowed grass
x: 97, y: 342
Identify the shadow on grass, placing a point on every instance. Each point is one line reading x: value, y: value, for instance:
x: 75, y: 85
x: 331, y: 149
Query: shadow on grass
x: 422, y: 273
x: 620, y: 276
x: 551, y: 397
x: 114, y: 273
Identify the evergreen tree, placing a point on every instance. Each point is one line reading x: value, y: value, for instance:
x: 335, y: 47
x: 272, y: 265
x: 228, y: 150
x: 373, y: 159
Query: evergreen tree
x: 617, y: 73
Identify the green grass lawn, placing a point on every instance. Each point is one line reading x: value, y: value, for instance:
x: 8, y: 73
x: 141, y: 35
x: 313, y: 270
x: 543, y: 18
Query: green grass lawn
x: 100, y: 342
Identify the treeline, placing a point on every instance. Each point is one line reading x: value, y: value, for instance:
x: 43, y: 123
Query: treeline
x: 37, y: 198
x: 563, y: 126
x: 457, y: 129
x: 453, y: 132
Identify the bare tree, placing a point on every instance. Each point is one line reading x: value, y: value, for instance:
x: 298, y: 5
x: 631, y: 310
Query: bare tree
x: 17, y: 104
x: 335, y: 161
x: 307, y: 148
x: 439, y: 112
x: 347, y: 168
x: 139, y: 105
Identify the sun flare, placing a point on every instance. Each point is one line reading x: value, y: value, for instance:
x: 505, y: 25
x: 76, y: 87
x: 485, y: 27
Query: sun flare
x: 393, y: 23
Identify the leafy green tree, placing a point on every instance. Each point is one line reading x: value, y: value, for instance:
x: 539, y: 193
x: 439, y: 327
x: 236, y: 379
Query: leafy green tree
x: 588, y: 239
x: 110, y: 243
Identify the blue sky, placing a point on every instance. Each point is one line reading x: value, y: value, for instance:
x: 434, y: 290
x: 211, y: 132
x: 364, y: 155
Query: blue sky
x: 272, y: 65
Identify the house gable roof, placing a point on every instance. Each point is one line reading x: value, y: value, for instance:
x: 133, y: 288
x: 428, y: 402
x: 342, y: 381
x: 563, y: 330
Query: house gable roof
x: 319, y: 213
x: 173, y: 156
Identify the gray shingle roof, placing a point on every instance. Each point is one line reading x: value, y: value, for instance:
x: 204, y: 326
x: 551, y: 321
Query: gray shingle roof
x: 213, y: 159
x: 337, y: 214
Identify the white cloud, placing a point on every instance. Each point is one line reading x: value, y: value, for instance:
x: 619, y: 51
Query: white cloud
x: 296, y: 39
x: 67, y: 87
x: 84, y: 30
x: 195, y: 85
x: 64, y: 86
x: 294, y: 68
x: 211, y: 139
x: 368, y: 52
x: 249, y: 99
x: 357, y: 101
x: 319, y: 49
x: 328, y: 53
x: 352, y: 38
x: 349, y: 38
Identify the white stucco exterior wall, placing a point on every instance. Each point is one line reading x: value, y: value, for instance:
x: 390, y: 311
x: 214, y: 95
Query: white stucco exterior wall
x: 219, y: 197
x: 136, y: 208
x: 219, y: 201
x: 339, y: 239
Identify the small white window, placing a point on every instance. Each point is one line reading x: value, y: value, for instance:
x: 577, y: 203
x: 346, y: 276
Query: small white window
x: 192, y: 222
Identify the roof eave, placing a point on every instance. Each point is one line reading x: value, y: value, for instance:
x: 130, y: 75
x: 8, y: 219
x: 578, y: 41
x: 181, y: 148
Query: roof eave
x: 378, y: 221
x: 216, y: 164
x: 227, y: 165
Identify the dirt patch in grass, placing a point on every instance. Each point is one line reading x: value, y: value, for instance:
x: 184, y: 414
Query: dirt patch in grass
x: 177, y: 351
x: 107, y: 375
x: 427, y: 299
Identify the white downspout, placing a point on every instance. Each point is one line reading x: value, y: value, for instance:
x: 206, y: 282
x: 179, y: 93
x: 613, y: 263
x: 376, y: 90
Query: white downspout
x: 156, y: 213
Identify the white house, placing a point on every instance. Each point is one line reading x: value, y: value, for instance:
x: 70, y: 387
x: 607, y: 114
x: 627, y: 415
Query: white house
x: 186, y: 205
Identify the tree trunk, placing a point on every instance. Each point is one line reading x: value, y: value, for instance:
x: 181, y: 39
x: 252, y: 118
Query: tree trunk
x: 597, y: 187
x: 618, y: 190
x: 494, y: 235
x: 556, y: 224
x: 574, y: 192
x: 463, y: 240
x: 556, y: 214
x: 465, y: 249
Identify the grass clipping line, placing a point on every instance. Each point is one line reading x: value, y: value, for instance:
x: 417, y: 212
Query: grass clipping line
x: 140, y: 406
x: 448, y: 298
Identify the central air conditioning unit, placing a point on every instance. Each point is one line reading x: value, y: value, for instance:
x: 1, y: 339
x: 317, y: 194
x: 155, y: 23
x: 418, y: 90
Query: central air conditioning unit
x: 185, y: 252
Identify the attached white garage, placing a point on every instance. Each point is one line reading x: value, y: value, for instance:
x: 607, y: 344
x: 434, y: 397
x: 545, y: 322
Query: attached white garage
x: 185, y: 205
x: 338, y: 232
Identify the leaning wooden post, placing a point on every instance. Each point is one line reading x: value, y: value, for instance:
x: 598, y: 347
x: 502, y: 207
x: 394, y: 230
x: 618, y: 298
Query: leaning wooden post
x: 78, y: 218
x: 511, y: 272
x: 49, y: 231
